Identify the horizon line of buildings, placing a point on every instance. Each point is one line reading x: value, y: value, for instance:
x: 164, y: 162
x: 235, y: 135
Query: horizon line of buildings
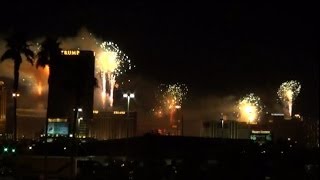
x: 70, y: 111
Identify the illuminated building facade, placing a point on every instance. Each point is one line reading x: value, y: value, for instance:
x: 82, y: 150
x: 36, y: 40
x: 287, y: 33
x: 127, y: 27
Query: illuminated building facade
x: 261, y: 136
x: 71, y: 87
x: 113, y: 125
x: 3, y: 108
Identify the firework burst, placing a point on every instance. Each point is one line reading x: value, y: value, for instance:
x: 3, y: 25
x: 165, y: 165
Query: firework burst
x: 287, y: 92
x: 173, y: 95
x: 249, y: 108
x: 171, y: 98
x: 111, y: 62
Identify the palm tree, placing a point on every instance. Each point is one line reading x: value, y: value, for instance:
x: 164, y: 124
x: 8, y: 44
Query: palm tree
x: 17, y: 45
x: 48, y: 55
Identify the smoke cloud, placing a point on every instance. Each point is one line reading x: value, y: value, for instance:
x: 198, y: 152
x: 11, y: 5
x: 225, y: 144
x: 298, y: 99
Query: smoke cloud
x: 33, y: 80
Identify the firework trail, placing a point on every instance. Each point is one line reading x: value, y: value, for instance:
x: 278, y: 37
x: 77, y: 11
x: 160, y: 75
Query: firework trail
x: 249, y: 108
x: 287, y: 92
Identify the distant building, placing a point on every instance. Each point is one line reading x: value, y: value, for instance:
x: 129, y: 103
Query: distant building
x: 285, y: 130
x: 311, y: 132
x: 3, y: 108
x: 30, y: 123
x: 71, y: 92
x: 171, y: 123
x: 113, y: 125
x: 229, y: 129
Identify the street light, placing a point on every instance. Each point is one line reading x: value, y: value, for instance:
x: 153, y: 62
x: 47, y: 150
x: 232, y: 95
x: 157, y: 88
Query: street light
x: 179, y: 121
x: 15, y: 95
x: 128, y: 96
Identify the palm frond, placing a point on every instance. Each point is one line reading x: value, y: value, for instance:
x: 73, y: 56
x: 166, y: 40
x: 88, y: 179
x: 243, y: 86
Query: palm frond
x: 49, y: 53
x: 29, y: 54
x: 42, y: 59
x: 9, y: 54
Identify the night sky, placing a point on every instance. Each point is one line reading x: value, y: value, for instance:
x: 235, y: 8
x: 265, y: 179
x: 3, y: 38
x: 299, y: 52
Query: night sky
x: 215, y: 49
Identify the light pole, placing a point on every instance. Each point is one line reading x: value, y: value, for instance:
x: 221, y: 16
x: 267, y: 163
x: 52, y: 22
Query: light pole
x: 128, y: 96
x: 15, y: 95
x: 179, y: 121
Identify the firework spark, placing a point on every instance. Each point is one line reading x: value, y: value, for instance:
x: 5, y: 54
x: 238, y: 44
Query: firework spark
x: 249, y: 108
x: 171, y: 98
x: 111, y: 62
x: 173, y: 95
x: 287, y: 92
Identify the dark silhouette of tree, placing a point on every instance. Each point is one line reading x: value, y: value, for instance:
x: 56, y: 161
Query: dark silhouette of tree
x: 17, y: 45
x: 49, y: 55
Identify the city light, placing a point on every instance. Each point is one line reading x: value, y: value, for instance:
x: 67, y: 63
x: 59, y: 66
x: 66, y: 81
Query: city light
x: 15, y: 95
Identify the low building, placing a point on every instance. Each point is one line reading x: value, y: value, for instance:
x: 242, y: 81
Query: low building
x: 30, y: 123
x: 113, y: 125
x: 229, y: 129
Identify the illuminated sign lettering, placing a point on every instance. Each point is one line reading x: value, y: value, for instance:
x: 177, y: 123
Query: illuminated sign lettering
x: 260, y: 132
x: 297, y: 116
x: 57, y: 120
x: 277, y: 114
x: 119, y: 112
x: 70, y: 52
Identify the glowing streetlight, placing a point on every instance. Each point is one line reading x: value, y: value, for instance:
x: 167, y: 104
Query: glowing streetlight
x: 14, y: 95
x: 128, y: 96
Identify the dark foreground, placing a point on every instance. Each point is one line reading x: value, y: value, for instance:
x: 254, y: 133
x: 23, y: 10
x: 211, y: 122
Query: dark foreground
x: 158, y: 157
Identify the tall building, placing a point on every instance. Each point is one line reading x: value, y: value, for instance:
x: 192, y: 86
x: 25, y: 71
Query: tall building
x: 284, y: 130
x: 311, y: 132
x: 3, y: 108
x: 71, y: 93
x: 113, y: 125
